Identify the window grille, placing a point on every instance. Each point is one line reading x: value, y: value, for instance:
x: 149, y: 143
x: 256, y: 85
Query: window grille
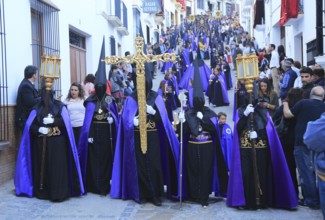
x: 45, y: 35
x: 4, y: 122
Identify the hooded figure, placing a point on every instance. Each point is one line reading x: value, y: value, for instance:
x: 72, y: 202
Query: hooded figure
x: 217, y: 90
x: 98, y: 135
x: 48, y: 127
x: 168, y: 89
x: 275, y: 183
x: 205, y: 167
x: 204, y: 72
x: 141, y: 176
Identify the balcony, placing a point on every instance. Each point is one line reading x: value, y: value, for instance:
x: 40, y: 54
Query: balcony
x: 114, y: 13
x: 159, y: 18
x: 293, y: 21
x: 113, y: 20
x: 122, y: 31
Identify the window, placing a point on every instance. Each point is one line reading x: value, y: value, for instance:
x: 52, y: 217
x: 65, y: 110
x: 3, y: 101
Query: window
x: 136, y: 21
x: 77, y: 40
x: 45, y: 34
x: 118, y: 9
x: 4, y: 116
x: 125, y: 16
x: 112, y: 43
x: 188, y: 11
x: 200, y: 4
x: 311, y: 52
x: 218, y: 6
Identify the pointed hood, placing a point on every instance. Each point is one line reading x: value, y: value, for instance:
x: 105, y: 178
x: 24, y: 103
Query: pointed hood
x: 198, y: 53
x: 198, y: 96
x: 100, y: 82
x: 101, y: 70
x: 148, y: 77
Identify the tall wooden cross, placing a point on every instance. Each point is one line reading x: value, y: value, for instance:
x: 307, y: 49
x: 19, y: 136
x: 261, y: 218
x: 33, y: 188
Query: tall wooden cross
x: 140, y: 59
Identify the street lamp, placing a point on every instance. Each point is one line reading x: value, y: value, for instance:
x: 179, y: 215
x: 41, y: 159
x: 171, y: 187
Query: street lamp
x: 247, y: 69
x: 50, y: 69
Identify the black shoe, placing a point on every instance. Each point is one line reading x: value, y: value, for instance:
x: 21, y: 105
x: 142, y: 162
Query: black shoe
x: 143, y: 201
x: 242, y: 207
x: 204, y: 203
x: 301, y: 202
x: 156, y: 201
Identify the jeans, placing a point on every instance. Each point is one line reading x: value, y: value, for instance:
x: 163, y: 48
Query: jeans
x: 305, y: 165
x: 321, y: 186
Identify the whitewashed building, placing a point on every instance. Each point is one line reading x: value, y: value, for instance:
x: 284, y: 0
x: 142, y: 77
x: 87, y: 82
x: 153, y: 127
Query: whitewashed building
x: 298, y: 35
x: 74, y: 30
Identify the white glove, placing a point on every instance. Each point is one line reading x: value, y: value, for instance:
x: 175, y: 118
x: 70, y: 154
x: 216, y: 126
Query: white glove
x: 249, y: 109
x: 252, y: 135
x: 199, y: 115
x: 43, y: 130
x: 48, y: 120
x: 151, y: 110
x: 110, y: 120
x: 136, y: 121
x: 91, y: 140
x: 181, y: 117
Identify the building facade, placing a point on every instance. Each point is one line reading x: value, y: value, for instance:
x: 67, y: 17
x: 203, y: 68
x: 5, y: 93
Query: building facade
x: 298, y: 33
x: 74, y: 30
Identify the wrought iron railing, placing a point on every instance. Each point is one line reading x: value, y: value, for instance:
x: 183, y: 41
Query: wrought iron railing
x: 4, y: 113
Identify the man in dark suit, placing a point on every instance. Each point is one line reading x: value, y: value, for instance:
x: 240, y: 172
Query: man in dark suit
x: 27, y: 96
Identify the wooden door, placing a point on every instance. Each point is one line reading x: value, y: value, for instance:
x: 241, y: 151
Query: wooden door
x: 77, y: 64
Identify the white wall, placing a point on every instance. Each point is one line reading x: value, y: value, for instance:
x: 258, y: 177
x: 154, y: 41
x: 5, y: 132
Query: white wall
x: 19, y: 49
x: 86, y: 18
x: 305, y: 26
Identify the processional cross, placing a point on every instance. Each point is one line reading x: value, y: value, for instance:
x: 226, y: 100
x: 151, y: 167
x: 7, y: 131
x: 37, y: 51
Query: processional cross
x: 140, y: 59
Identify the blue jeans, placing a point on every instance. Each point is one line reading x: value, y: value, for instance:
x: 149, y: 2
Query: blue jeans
x: 306, y: 169
x: 321, y: 186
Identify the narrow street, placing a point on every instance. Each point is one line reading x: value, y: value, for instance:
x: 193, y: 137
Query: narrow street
x: 94, y: 206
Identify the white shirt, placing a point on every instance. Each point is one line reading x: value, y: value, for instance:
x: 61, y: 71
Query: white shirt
x: 76, y: 111
x: 275, y: 59
x: 262, y: 75
x: 298, y: 83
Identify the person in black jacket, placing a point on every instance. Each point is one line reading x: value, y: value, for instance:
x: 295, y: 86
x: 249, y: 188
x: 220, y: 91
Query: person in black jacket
x: 27, y: 96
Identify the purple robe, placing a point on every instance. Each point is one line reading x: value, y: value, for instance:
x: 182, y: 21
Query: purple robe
x: 205, y: 73
x: 186, y: 56
x: 227, y: 144
x: 23, y: 179
x: 125, y: 175
x: 167, y: 65
x: 223, y: 90
x: 284, y: 192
